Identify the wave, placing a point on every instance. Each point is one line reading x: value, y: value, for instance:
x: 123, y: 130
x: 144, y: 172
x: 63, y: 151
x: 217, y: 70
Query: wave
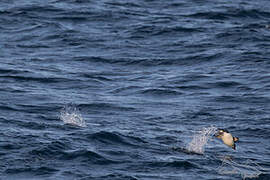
x: 185, y: 164
x: 12, y: 71
x: 34, y: 171
x: 188, y: 60
x: 126, y: 90
x: 36, y: 79
x: 50, y: 150
x: 61, y: 151
x: 106, y: 106
x: 113, y: 138
x: 244, y: 99
x: 256, y: 131
x: 160, y: 92
x: 233, y: 13
x: 85, y: 156
x: 116, y: 176
x: 155, y: 30
x: 8, y: 147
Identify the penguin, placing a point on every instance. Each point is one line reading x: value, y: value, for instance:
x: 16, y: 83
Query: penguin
x: 227, y: 138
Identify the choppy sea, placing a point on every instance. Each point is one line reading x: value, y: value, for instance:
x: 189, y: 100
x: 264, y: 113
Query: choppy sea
x: 134, y: 90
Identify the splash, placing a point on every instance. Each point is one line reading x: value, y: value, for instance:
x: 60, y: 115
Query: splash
x: 70, y: 115
x: 200, y: 139
x: 249, y: 169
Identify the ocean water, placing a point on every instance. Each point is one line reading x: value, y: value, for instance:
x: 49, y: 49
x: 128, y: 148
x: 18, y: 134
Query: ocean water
x: 134, y: 90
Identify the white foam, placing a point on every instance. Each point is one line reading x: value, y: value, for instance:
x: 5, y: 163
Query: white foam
x: 249, y: 169
x: 200, y: 139
x: 70, y: 115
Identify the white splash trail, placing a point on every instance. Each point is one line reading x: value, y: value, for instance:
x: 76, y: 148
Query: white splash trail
x: 200, y: 140
x: 249, y: 169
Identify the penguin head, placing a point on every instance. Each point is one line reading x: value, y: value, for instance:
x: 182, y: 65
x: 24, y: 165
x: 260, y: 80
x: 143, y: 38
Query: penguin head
x: 221, y: 132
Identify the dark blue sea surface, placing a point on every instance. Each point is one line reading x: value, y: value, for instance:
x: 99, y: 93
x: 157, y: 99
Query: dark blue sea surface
x: 117, y: 89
